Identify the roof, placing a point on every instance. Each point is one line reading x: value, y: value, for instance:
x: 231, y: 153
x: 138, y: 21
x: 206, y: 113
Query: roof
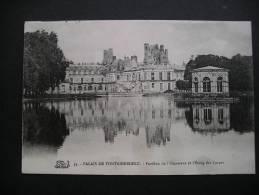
x: 210, y: 68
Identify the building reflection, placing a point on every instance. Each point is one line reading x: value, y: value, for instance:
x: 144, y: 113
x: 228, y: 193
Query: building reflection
x: 124, y: 116
x: 210, y: 118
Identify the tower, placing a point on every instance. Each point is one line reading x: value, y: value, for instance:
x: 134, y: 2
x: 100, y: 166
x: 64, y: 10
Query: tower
x: 108, y: 56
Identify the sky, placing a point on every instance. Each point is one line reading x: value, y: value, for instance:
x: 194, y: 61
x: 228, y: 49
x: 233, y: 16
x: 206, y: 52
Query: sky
x: 84, y: 41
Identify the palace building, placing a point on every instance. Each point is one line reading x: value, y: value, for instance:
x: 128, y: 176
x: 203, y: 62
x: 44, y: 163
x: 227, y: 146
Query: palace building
x: 154, y: 75
x: 210, y: 81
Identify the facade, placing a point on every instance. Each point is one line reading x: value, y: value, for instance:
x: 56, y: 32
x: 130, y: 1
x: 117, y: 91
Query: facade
x: 81, y: 79
x: 123, y: 76
x: 142, y: 79
x: 211, y: 81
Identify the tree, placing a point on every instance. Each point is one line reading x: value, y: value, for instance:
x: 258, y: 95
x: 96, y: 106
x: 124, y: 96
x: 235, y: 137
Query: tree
x: 44, y: 62
x: 183, y: 85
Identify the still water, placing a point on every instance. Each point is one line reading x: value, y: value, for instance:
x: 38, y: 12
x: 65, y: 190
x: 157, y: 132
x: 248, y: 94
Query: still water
x: 156, y: 132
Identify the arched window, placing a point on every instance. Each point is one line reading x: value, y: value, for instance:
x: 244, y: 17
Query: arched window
x: 220, y: 115
x: 133, y: 77
x: 219, y: 84
x: 196, y: 85
x: 206, y: 85
x: 196, y: 116
x: 153, y: 114
x: 207, y: 116
x: 90, y: 87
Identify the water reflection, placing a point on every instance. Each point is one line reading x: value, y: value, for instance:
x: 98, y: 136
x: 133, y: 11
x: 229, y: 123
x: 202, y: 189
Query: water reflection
x: 45, y: 126
x: 50, y: 122
x: 122, y: 116
x: 137, y: 129
x: 210, y: 118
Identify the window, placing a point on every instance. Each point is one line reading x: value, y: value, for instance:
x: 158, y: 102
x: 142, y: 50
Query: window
x: 105, y: 88
x: 92, y: 80
x: 206, y: 85
x: 161, y: 114
x: 100, y: 87
x: 168, y: 76
x: 153, y: 85
x: 219, y: 84
x: 139, y: 76
x: 220, y: 115
x: 207, y: 116
x: 133, y: 76
x: 90, y: 87
x: 153, y: 114
x: 82, y: 80
x: 161, y: 86
x: 71, y: 80
x: 118, y: 77
x: 85, y: 88
x: 160, y: 76
x: 79, y: 87
x: 169, y: 113
x: 152, y: 76
x: 145, y: 76
x: 196, y: 85
x: 196, y: 116
x: 102, y: 80
x: 169, y: 86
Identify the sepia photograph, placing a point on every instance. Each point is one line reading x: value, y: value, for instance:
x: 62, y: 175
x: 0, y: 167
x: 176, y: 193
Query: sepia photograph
x: 138, y: 97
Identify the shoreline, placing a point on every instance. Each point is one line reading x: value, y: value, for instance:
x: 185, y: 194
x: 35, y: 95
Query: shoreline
x: 176, y: 96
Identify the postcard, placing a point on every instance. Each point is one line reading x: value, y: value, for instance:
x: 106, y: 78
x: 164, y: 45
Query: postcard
x: 138, y: 97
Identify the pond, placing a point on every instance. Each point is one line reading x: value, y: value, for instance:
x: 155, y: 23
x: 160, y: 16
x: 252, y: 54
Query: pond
x: 160, y: 135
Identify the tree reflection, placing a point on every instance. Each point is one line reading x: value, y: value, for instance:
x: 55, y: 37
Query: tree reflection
x: 43, y: 126
x: 242, y: 116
